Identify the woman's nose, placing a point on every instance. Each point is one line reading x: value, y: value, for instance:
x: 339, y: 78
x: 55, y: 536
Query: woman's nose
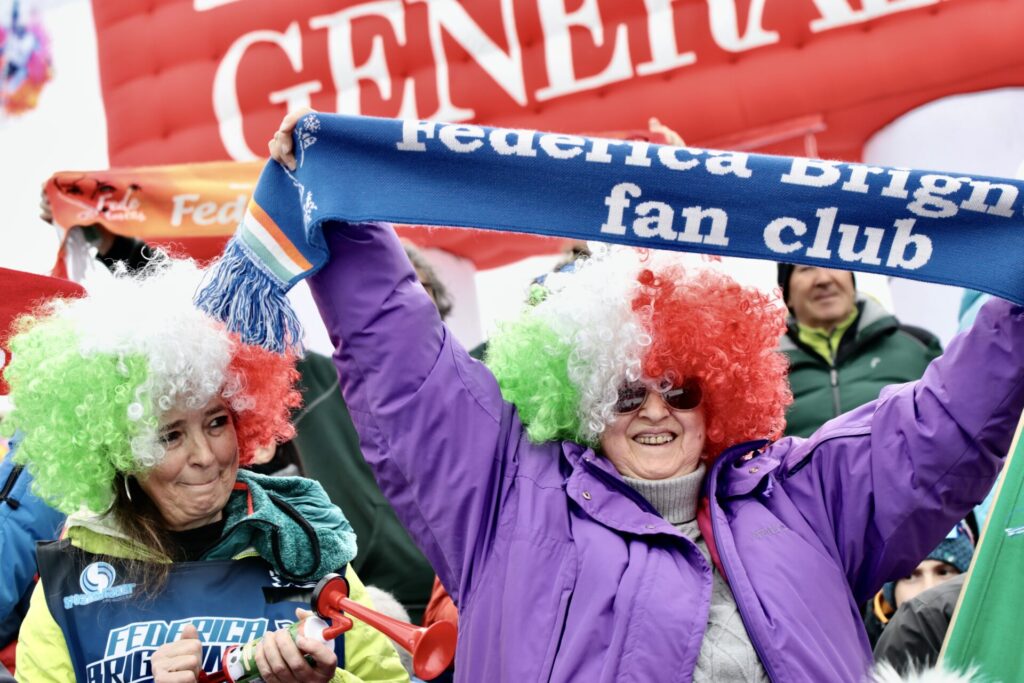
x: 654, y: 408
x: 201, y: 452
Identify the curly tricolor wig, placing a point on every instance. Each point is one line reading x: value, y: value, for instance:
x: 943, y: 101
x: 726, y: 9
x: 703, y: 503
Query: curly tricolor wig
x: 630, y: 315
x: 90, y: 379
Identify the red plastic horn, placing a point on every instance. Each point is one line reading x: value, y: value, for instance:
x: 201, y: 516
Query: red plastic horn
x: 432, y: 648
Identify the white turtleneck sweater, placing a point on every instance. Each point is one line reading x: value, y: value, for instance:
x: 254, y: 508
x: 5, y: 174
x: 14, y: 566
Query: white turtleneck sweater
x: 726, y: 653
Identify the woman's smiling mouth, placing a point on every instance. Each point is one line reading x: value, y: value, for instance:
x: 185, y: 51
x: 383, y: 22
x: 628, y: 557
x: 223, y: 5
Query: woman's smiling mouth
x: 654, y: 439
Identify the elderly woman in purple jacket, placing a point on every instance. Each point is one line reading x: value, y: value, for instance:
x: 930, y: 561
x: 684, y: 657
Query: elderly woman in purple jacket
x: 606, y: 500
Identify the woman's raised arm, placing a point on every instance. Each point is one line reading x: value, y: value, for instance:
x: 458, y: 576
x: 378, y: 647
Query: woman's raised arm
x: 888, y: 480
x: 429, y: 417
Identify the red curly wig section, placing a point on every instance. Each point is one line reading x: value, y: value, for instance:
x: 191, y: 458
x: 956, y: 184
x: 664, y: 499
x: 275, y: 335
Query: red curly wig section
x: 268, y: 395
x: 707, y: 326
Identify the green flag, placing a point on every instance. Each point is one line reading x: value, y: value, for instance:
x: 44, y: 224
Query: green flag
x: 986, y: 628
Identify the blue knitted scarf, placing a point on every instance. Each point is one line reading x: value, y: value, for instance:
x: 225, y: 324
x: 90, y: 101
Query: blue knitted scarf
x: 938, y: 227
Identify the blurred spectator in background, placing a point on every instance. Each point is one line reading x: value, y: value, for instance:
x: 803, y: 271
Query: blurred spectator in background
x: 576, y: 250
x: 24, y: 518
x: 842, y: 347
x: 950, y: 559
x: 428, y: 278
x: 914, y: 635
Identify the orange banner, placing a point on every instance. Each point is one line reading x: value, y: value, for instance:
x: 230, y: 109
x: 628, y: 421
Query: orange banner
x: 190, y: 200
x: 193, y: 209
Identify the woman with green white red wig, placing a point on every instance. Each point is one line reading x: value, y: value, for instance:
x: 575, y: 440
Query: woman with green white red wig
x: 631, y: 319
x: 608, y: 499
x: 136, y: 411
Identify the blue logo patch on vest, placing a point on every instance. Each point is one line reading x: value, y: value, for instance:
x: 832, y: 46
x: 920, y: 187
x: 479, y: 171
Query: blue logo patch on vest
x: 97, y: 583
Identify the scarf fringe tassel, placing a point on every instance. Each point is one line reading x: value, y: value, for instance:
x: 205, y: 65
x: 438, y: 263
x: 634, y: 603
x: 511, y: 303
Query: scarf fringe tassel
x: 251, y: 302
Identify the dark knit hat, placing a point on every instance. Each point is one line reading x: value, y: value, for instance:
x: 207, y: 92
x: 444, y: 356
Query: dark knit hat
x: 785, y: 270
x: 956, y: 550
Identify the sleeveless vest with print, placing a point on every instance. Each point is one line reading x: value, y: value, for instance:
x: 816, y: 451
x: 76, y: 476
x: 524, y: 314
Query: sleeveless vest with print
x: 112, y: 627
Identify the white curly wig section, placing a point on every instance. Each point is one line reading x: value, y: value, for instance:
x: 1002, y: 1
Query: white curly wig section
x: 151, y: 315
x: 590, y: 310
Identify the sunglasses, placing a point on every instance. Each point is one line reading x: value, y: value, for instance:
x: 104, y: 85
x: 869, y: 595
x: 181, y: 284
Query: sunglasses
x: 632, y: 396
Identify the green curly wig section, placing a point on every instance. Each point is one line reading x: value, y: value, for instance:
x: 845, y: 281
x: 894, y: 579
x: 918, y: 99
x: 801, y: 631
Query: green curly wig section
x: 531, y: 364
x: 73, y: 411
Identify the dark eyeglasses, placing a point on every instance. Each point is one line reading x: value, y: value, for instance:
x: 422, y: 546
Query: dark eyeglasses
x: 687, y: 396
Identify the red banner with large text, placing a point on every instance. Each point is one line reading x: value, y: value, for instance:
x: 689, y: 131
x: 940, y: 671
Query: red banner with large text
x: 206, y: 80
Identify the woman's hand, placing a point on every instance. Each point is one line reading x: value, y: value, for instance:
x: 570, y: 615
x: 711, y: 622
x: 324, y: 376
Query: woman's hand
x: 180, y: 661
x: 281, y: 660
x: 96, y: 234
x: 281, y: 148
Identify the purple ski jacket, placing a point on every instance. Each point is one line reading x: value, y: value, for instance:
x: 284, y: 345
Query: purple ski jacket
x: 561, y: 572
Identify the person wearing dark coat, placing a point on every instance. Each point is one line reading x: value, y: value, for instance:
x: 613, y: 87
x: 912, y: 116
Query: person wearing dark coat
x: 842, y: 348
x: 917, y: 630
x: 950, y: 559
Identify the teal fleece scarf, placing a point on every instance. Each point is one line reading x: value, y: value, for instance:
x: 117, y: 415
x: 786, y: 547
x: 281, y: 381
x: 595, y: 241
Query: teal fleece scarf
x: 290, y: 522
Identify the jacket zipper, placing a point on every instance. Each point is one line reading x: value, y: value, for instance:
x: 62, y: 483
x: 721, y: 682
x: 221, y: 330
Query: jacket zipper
x: 744, y: 616
x: 562, y: 620
x: 714, y: 530
x: 833, y: 372
x: 12, y: 479
x: 833, y: 375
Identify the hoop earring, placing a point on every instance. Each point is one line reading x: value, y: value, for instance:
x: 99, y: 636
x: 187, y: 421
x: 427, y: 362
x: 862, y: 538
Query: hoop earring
x: 128, y: 490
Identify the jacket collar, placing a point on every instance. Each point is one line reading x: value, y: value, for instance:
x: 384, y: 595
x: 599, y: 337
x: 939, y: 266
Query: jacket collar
x: 289, y: 521
x: 597, y: 487
x: 741, y: 469
x: 100, y: 534
x: 872, y: 320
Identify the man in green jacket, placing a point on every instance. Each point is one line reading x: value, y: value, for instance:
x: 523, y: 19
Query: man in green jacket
x: 842, y: 348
